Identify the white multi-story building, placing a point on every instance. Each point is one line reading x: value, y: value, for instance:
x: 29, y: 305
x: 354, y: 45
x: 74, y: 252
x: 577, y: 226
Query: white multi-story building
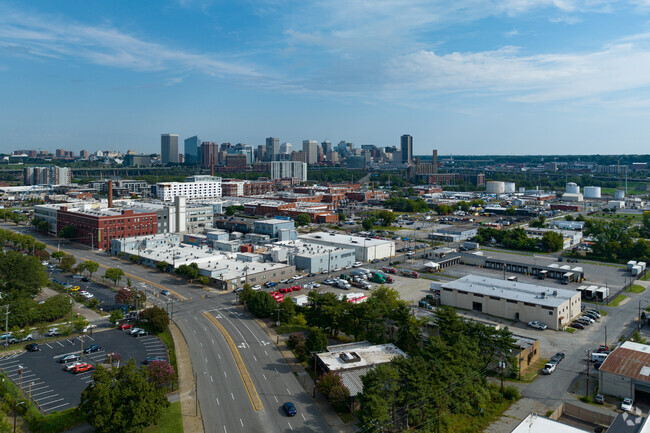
x: 288, y: 169
x: 168, y: 190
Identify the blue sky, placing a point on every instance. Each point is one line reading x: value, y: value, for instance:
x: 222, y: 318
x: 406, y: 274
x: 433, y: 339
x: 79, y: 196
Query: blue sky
x: 462, y: 76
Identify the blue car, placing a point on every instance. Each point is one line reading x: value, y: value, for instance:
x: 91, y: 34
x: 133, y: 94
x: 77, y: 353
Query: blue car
x: 290, y: 408
x: 148, y: 360
x: 93, y: 348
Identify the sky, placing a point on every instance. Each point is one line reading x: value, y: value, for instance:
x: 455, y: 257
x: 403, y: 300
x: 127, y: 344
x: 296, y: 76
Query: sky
x: 462, y: 76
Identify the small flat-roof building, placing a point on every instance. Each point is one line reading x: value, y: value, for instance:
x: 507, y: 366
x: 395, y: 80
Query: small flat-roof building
x: 512, y: 300
x: 625, y: 372
x: 534, y: 423
x: 317, y: 258
x: 365, y: 249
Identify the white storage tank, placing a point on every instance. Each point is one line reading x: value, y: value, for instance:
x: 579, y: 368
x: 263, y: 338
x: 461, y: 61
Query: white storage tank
x: 619, y: 194
x: 592, y: 192
x: 572, y: 188
x: 495, y: 187
x: 509, y: 187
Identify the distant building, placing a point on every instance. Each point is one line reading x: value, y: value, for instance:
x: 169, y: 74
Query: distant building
x: 272, y: 148
x: 51, y: 175
x: 406, y: 146
x: 169, y: 148
x: 311, y: 152
x: 192, y: 150
x: 288, y: 170
x: 83, y: 154
x: 209, y: 154
x: 365, y: 249
x: 192, y: 190
x: 137, y: 160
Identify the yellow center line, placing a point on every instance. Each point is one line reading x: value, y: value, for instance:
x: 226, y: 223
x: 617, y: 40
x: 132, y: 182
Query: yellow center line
x: 253, y: 396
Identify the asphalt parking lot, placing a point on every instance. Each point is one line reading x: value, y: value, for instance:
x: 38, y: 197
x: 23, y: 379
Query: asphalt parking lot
x: 54, y: 389
x: 105, y: 295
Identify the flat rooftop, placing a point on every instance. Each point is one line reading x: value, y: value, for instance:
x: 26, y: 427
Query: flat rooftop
x: 302, y: 247
x: 534, y: 423
x: 516, y: 291
x: 347, y: 240
x: 366, y: 356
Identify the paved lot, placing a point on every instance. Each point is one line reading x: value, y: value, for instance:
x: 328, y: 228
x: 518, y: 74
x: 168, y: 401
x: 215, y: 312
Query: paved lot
x: 104, y: 294
x: 53, y: 388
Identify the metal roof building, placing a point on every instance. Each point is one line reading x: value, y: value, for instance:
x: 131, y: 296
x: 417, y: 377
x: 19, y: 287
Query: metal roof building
x: 625, y: 372
x: 512, y: 300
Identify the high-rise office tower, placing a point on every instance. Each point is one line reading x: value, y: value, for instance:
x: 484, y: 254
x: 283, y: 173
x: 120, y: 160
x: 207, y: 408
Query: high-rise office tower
x: 327, y: 146
x: 209, y: 154
x: 169, y: 148
x: 311, y: 154
x: 272, y: 148
x: 407, y: 148
x: 192, y: 150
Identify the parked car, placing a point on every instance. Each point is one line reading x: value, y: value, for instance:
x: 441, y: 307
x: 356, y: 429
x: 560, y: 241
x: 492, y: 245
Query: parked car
x: 149, y: 359
x: 594, y: 311
x: 256, y: 287
x: 28, y: 337
x: 549, y: 368
x: 164, y: 292
x: 52, y: 332
x: 140, y: 333
x: 81, y: 368
x: 284, y: 281
x: 32, y: 347
x: 72, y: 365
x: 537, y: 325
x: 577, y: 325
x: 558, y: 357
x: 290, y: 408
x: 77, y: 277
x: 627, y: 405
x: 69, y: 358
x: 583, y: 321
x: 134, y: 330
x: 311, y: 274
x: 89, y: 327
x: 93, y: 348
x: 599, y: 398
x: 602, y: 348
x: 591, y: 316
x: 125, y: 326
x: 588, y: 319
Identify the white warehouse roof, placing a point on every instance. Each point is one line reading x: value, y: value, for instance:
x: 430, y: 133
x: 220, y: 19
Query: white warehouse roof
x: 512, y: 290
x: 347, y: 240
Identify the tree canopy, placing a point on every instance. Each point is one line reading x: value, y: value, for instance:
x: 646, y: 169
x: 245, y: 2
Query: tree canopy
x: 114, y: 274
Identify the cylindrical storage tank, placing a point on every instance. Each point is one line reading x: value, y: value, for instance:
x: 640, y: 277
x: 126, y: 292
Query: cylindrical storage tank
x: 509, y: 187
x: 573, y: 188
x: 619, y: 194
x: 592, y: 192
x: 495, y: 187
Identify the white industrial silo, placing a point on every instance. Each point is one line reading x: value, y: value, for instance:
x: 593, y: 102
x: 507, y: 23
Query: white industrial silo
x: 592, y: 192
x: 495, y: 187
x: 619, y: 194
x: 573, y: 188
x: 509, y: 187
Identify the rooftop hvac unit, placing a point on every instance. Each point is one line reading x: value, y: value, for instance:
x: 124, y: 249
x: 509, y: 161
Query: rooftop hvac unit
x: 349, y: 357
x: 554, y: 292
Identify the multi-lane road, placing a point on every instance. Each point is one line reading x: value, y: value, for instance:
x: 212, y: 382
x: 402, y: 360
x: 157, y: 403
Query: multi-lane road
x: 242, y: 378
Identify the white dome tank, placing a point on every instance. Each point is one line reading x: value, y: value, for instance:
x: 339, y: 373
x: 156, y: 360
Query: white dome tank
x: 619, y: 194
x: 495, y: 187
x: 573, y: 188
x: 510, y: 187
x: 592, y: 192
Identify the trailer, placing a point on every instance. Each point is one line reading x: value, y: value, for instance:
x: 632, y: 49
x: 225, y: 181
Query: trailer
x: 631, y: 264
x: 411, y: 274
x: 542, y: 274
x: 582, y: 290
x: 602, y: 294
x: 567, y: 278
x: 590, y: 292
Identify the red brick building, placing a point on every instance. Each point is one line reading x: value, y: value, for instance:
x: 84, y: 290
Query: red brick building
x: 97, y: 228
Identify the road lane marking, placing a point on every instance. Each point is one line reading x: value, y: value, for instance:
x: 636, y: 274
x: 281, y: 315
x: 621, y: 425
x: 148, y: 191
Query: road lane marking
x: 224, y: 429
x: 253, y: 396
x: 211, y: 379
x: 242, y: 422
x: 254, y: 358
x: 303, y: 416
x: 218, y: 356
x: 276, y: 370
x: 218, y: 402
x: 56, y: 407
x: 264, y: 376
x: 276, y: 399
x: 288, y: 391
x: 232, y: 395
x: 266, y: 353
x: 212, y: 341
x: 224, y: 373
x: 290, y: 426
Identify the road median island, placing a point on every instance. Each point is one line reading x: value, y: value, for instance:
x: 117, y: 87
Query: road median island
x: 243, y: 372
x: 191, y: 423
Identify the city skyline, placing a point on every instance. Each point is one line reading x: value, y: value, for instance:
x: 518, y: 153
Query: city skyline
x: 492, y: 77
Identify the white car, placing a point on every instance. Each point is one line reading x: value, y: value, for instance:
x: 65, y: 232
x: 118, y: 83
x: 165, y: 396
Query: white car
x: 256, y: 287
x: 549, y: 368
x: 357, y: 264
x: 72, y: 365
x: 336, y: 269
x: 89, y: 327
x: 627, y: 405
x: 315, y: 285
x: 297, y: 277
x: 134, y: 331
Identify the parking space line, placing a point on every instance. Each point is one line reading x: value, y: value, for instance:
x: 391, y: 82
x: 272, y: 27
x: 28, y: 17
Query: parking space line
x: 52, y: 402
x: 60, y: 343
x: 48, y: 345
x: 56, y: 407
x: 48, y: 397
x: 34, y: 394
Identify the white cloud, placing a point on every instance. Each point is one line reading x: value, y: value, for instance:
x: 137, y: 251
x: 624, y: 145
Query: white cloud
x: 41, y: 36
x: 537, y: 78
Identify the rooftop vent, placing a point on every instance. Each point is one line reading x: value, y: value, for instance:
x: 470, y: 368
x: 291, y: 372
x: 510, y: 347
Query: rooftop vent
x: 349, y: 357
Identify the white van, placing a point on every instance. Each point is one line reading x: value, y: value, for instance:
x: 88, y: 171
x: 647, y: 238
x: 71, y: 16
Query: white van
x: 598, y: 357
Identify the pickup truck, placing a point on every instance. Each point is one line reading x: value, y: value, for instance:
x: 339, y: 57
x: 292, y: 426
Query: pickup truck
x: 549, y: 368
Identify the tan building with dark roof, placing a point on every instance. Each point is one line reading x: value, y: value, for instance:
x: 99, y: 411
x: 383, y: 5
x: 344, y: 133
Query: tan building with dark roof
x: 625, y: 372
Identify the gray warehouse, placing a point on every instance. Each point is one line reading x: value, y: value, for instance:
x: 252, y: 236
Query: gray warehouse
x: 512, y: 300
x: 317, y: 258
x: 625, y: 372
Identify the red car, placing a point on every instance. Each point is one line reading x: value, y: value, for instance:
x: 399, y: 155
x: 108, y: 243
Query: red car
x: 602, y: 348
x: 81, y: 368
x: 124, y: 326
x: 286, y: 290
x: 296, y: 288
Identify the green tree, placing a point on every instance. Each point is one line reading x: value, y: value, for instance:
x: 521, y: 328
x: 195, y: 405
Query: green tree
x: 123, y: 400
x: 552, y: 241
x: 67, y: 263
x: 162, y: 266
x: 386, y: 217
x: 260, y: 303
x: 204, y: 280
x: 342, y: 217
x: 287, y: 310
x: 302, y: 219
x: 190, y: 271
x: 68, y: 232
x: 90, y: 267
x: 114, y: 274
x: 511, y: 211
x: 116, y: 316
x: 157, y: 317
x: 58, y: 255
x: 368, y: 223
x: 20, y: 276
x: 316, y: 341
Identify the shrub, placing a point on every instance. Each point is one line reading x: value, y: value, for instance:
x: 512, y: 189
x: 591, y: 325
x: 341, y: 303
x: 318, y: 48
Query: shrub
x: 339, y: 396
x: 301, y: 351
x: 511, y: 393
x: 328, y: 381
x: 294, y: 339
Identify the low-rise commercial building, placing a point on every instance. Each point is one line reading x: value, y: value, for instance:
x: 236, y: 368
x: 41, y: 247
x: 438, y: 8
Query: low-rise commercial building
x: 192, y: 190
x: 512, y: 300
x: 365, y: 249
x: 625, y: 373
x: 317, y: 258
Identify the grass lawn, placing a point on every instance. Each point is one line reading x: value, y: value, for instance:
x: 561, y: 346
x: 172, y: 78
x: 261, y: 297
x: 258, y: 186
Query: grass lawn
x: 170, y: 420
x: 635, y: 288
x: 288, y: 329
x: 531, y: 372
x: 616, y: 301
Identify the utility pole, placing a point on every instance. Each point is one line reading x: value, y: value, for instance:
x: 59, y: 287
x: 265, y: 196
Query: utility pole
x: 638, y: 328
x: 278, y: 322
x: 588, y: 362
x: 605, y: 335
x: 7, y: 326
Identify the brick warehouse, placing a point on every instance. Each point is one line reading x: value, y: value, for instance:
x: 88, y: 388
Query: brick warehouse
x: 96, y: 228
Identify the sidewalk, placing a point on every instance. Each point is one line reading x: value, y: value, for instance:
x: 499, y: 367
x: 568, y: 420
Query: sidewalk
x: 307, y: 382
x: 187, y: 395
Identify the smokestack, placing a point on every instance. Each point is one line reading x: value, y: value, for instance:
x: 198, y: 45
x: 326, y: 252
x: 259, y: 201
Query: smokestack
x: 435, y: 161
x: 110, y: 194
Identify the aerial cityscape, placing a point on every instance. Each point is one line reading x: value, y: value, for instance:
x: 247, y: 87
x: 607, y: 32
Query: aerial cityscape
x: 324, y: 216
